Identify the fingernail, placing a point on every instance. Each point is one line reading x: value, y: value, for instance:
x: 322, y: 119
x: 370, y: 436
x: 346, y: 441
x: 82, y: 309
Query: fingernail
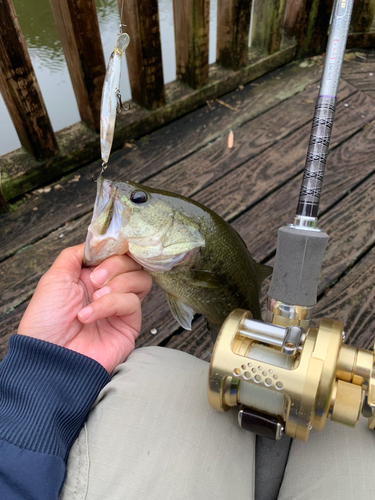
x: 99, y: 276
x: 102, y: 291
x: 85, y: 313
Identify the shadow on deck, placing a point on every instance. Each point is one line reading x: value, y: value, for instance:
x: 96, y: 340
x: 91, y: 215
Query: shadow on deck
x: 253, y: 185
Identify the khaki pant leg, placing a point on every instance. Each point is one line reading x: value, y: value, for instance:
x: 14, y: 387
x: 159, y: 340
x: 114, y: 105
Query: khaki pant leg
x: 151, y: 434
x: 336, y: 464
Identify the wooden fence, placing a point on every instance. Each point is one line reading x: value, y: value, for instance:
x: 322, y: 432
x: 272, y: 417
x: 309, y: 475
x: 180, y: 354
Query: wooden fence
x: 282, y: 30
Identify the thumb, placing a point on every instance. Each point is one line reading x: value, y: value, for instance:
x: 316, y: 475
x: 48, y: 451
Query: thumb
x: 70, y: 260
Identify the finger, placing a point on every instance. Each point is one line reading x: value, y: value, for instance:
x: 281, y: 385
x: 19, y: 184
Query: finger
x: 70, y: 260
x: 138, y: 282
x: 112, y: 304
x: 112, y: 267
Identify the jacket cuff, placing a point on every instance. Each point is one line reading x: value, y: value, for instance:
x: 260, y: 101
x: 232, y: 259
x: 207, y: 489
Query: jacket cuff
x: 46, y: 392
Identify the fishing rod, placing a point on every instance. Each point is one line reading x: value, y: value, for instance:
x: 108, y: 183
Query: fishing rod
x: 288, y: 377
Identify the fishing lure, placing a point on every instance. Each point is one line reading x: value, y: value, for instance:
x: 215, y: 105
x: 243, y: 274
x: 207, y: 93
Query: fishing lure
x: 111, y: 97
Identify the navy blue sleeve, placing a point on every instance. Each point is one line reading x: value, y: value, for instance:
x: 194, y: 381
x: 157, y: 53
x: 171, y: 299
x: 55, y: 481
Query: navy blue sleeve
x: 46, y: 392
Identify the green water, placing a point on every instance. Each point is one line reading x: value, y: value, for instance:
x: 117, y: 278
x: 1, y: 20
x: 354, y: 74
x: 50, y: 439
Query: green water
x: 39, y: 31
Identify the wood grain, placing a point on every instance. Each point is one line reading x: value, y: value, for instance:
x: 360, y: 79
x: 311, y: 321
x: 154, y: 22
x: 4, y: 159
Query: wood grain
x: 232, y: 42
x: 311, y: 29
x: 20, y: 89
x: 82, y: 46
x: 362, y: 16
x: 144, y: 52
x: 352, y: 301
x: 74, y: 196
x: 21, y: 174
x: 267, y: 25
x: 257, y: 177
x: 191, y: 31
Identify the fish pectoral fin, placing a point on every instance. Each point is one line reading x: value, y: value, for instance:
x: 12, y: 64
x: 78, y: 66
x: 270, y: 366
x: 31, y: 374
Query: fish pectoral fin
x: 207, y: 279
x: 263, y: 271
x: 182, y: 313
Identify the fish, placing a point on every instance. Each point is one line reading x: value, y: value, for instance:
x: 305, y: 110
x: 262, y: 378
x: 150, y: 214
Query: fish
x: 194, y: 255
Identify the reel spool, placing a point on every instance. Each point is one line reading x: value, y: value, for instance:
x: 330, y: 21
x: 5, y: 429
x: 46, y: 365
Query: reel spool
x: 288, y: 381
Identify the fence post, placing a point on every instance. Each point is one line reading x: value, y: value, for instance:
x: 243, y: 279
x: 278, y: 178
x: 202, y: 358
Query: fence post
x: 363, y: 15
x: 233, y: 23
x: 78, y: 28
x: 144, y: 52
x: 267, y: 25
x: 312, y: 27
x: 20, y: 89
x: 191, y: 27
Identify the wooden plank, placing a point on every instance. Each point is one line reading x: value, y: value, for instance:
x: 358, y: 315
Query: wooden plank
x: 292, y: 14
x: 191, y: 27
x: 21, y: 175
x: 363, y: 15
x: 35, y: 259
x: 78, y: 28
x: 312, y: 27
x: 45, y: 211
x: 361, y: 40
x: 214, y: 161
x: 267, y: 25
x: 240, y: 188
x: 20, y: 89
x: 144, y: 52
x: 347, y: 166
x: 8, y: 326
x: 352, y: 231
x: 352, y: 301
x: 359, y: 70
x: 232, y: 41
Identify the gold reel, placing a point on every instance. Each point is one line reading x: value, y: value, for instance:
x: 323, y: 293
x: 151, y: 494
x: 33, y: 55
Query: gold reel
x: 288, y: 381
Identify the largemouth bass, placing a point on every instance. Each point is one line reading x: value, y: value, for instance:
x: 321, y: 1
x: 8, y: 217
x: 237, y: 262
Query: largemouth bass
x: 196, y: 257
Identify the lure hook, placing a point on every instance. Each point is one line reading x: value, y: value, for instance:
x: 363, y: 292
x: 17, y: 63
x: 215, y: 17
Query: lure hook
x: 120, y: 28
x: 119, y: 106
x: 104, y: 168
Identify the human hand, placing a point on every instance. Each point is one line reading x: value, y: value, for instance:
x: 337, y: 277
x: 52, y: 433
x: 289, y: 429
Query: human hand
x: 93, y: 311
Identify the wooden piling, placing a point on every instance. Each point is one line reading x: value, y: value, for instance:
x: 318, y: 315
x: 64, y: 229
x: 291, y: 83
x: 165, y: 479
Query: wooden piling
x: 266, y: 28
x: 191, y: 29
x: 78, y: 28
x: 233, y: 24
x: 144, y: 52
x: 312, y: 27
x: 20, y: 89
x: 362, y: 16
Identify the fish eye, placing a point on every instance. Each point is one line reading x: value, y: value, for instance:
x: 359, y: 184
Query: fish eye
x: 138, y: 197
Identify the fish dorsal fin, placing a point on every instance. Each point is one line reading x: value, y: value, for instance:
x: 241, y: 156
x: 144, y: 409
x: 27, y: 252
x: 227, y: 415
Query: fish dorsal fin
x: 263, y: 271
x: 182, y: 313
x: 207, y: 279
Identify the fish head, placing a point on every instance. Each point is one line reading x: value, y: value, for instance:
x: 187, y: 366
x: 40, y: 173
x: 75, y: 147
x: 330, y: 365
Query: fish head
x: 148, y: 224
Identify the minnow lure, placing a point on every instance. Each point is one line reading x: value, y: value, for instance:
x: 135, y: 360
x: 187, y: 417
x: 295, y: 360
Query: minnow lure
x: 111, y: 97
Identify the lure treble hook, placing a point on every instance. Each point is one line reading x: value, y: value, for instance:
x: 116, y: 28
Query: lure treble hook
x: 104, y: 168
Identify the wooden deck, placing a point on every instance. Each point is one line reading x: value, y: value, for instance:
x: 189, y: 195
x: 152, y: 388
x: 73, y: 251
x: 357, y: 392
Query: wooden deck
x: 254, y: 186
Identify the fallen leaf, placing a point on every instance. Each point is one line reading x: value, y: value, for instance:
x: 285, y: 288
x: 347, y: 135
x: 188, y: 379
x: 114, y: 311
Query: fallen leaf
x: 230, y: 139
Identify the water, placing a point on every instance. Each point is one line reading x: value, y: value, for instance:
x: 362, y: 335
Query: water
x: 39, y: 31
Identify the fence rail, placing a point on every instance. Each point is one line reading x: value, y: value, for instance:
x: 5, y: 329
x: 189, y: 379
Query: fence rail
x: 281, y: 31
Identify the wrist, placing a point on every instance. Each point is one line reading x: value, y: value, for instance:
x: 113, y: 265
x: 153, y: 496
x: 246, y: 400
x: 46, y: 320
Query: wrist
x: 46, y: 392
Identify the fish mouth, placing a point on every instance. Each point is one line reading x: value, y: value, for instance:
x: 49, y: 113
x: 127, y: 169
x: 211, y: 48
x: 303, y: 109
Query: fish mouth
x: 104, y: 236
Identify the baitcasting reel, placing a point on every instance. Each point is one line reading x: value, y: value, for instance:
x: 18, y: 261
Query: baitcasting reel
x: 287, y: 380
